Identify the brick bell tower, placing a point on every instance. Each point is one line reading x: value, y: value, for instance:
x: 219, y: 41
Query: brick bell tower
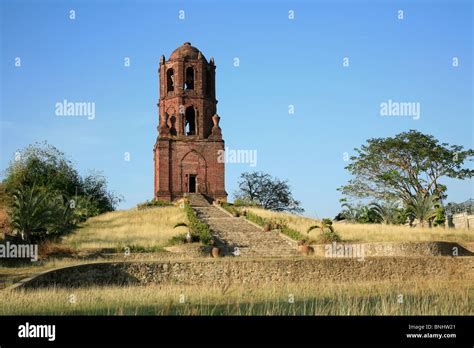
x: 189, y: 142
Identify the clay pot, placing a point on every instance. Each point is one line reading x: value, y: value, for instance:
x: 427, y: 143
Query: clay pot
x: 266, y: 227
x: 215, y: 252
x: 306, y: 249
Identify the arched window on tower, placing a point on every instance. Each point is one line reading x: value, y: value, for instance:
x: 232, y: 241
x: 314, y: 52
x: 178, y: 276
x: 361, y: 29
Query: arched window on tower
x: 172, y: 125
x: 189, y: 84
x: 190, y: 124
x: 170, y: 80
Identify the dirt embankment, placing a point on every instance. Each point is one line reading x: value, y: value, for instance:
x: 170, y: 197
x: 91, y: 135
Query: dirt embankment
x: 246, y: 271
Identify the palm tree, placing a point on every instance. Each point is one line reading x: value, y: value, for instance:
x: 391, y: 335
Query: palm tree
x: 350, y: 213
x: 422, y: 207
x: 386, y: 212
x: 327, y: 231
x: 29, y: 211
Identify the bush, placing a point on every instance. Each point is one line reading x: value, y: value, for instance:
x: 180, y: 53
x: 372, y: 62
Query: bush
x: 280, y: 224
x: 238, y: 202
x: 230, y: 208
x: 177, y: 240
x: 199, y: 229
x: 134, y: 248
x: 154, y: 203
x: 329, y: 236
x: 293, y: 234
x: 255, y: 218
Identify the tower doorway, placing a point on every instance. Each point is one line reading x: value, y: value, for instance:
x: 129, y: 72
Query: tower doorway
x: 192, y: 183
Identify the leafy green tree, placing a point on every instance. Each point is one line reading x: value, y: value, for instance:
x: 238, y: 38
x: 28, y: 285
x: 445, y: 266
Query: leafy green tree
x: 404, y: 167
x: 267, y: 192
x: 45, y: 167
x: 48, y: 197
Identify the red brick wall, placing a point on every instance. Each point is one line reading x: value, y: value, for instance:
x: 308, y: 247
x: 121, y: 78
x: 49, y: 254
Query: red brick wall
x: 178, y: 155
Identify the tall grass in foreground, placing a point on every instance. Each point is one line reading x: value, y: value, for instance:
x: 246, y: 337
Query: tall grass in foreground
x: 371, y: 232
x: 364, y: 298
x: 146, y: 228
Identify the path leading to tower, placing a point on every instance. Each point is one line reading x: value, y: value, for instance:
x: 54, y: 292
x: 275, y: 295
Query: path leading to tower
x: 237, y: 234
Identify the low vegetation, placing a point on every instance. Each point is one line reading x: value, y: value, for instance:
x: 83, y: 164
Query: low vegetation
x: 199, y: 230
x: 352, y: 232
x: 361, y: 298
x: 153, y: 204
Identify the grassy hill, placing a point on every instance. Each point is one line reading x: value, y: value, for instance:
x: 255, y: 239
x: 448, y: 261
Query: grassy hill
x: 369, y: 232
x: 148, y: 228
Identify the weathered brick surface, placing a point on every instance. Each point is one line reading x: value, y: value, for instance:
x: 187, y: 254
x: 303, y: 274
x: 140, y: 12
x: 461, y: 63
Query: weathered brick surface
x: 178, y: 153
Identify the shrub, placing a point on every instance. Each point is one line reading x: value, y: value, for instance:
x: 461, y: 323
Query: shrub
x: 179, y: 239
x: 134, y: 248
x: 328, y: 234
x: 281, y: 224
x: 198, y: 228
x: 293, y: 234
x: 255, y: 218
x: 238, y: 202
x: 154, y: 203
x: 230, y: 208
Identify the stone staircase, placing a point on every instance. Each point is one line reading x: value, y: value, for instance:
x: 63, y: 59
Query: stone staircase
x: 238, y: 237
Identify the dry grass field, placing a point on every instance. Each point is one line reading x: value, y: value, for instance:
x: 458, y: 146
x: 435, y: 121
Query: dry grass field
x: 145, y: 228
x: 154, y: 228
x: 371, y: 232
x: 364, y: 298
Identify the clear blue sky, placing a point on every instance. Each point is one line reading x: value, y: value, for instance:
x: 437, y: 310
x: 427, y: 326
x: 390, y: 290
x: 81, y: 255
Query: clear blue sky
x: 282, y: 62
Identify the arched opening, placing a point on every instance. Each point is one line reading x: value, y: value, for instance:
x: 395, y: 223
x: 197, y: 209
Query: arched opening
x: 193, y: 168
x: 170, y: 80
x: 189, y: 84
x: 172, y: 125
x: 190, y: 124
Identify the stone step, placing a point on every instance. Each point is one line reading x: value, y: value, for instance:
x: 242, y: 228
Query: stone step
x: 197, y: 200
x: 234, y: 232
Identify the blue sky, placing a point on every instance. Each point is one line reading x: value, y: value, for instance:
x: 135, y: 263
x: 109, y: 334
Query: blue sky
x: 282, y: 62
